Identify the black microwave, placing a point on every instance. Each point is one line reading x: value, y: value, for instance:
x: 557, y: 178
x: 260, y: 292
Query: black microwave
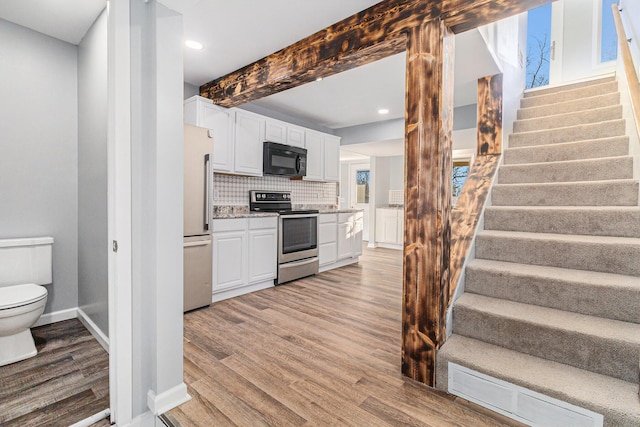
x: 284, y: 160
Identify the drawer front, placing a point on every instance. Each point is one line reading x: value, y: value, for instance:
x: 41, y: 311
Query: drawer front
x: 264, y: 222
x: 231, y: 224
x: 345, y: 217
x: 330, y: 217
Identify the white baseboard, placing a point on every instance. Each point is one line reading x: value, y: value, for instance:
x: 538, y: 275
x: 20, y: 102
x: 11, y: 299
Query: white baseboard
x: 234, y: 292
x: 94, y: 329
x: 390, y: 246
x: 338, y: 264
x: 57, y: 316
x: 167, y: 400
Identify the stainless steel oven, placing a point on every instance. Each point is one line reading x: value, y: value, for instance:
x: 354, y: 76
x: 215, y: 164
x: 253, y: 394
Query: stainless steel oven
x: 297, y: 234
x: 297, y: 245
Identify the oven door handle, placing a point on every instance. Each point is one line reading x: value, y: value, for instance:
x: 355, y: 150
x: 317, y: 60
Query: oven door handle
x: 307, y: 215
x: 299, y: 263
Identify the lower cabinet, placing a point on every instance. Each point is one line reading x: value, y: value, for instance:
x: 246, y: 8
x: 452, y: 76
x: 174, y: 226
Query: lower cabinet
x: 390, y: 227
x: 340, y: 239
x: 244, y: 255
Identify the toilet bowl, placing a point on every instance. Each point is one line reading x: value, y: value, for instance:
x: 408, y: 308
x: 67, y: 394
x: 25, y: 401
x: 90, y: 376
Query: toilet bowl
x: 25, y: 265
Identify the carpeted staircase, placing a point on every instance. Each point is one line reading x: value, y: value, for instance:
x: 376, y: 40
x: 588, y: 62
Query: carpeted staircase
x: 552, y: 298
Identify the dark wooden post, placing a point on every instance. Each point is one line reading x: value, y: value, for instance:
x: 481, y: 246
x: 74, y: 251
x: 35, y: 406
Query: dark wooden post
x: 490, y: 115
x: 428, y: 127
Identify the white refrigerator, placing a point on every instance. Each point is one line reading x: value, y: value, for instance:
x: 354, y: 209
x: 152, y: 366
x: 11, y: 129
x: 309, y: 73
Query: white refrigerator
x: 198, y: 184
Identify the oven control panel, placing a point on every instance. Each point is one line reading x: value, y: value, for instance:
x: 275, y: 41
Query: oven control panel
x: 270, y: 196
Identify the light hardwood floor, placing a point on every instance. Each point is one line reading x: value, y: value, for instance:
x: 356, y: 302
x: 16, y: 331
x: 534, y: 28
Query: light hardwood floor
x: 66, y: 382
x: 319, y: 351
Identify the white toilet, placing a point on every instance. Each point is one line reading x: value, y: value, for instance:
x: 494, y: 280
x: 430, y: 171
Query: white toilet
x: 25, y: 265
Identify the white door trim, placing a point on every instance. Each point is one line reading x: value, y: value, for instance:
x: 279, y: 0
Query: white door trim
x: 353, y: 167
x: 119, y: 211
x: 557, y: 42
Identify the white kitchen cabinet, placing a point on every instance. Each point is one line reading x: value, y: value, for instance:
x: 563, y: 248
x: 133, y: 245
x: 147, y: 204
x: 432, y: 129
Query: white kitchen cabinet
x: 295, y: 136
x: 314, y: 143
x: 249, y: 139
x: 328, y: 238
x: 390, y: 226
x: 331, y: 158
x: 202, y: 112
x: 323, y: 156
x: 263, y: 247
x: 275, y: 131
x: 350, y: 226
x: 229, y: 254
x: 244, y: 255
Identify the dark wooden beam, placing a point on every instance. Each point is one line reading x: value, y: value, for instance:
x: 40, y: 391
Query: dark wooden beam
x: 428, y: 129
x: 489, y: 115
x: 367, y: 36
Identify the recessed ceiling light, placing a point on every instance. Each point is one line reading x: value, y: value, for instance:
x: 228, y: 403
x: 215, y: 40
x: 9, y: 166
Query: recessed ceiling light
x: 383, y: 111
x: 193, y: 44
x: 318, y: 79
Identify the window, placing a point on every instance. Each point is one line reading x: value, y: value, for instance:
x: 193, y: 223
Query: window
x: 362, y: 186
x: 608, y: 37
x: 459, y: 175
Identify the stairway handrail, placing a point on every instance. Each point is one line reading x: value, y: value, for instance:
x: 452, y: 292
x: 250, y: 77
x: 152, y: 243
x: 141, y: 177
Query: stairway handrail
x: 627, y: 59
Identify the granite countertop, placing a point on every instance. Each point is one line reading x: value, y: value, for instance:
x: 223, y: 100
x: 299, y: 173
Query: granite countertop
x: 231, y: 215
x: 322, y: 211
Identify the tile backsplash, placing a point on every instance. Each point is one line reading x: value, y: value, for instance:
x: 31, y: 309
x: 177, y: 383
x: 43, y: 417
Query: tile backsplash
x: 234, y: 190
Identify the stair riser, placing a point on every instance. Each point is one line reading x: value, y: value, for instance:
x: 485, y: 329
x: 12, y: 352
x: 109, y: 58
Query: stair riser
x: 618, y: 359
x: 590, y: 256
x: 592, y: 391
x: 569, y: 95
x: 588, y: 223
x: 556, y: 292
x: 573, y: 119
x: 587, y: 194
x: 569, y: 134
x: 573, y: 86
x: 590, y: 170
x: 597, y: 148
x: 569, y: 107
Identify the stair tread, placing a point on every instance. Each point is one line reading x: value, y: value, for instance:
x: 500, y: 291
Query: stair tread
x: 563, y: 116
x: 583, y: 104
x: 571, y: 94
x: 572, y: 183
x: 567, y: 162
x: 560, y: 129
x: 577, y: 238
x: 592, y: 278
x: 630, y: 209
x: 607, y: 295
x: 551, y: 318
x: 546, y: 90
x: 600, y: 393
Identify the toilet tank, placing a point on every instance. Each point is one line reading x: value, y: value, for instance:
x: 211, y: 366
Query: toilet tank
x: 27, y: 260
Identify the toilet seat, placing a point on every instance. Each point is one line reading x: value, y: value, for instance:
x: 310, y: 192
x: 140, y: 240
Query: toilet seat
x: 19, y: 295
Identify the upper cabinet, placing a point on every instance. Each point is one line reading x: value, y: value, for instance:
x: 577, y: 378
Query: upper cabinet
x: 238, y: 137
x: 202, y: 112
x: 323, y: 156
x: 249, y: 139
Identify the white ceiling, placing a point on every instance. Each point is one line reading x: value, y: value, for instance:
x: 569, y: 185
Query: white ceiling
x: 236, y: 33
x: 66, y: 20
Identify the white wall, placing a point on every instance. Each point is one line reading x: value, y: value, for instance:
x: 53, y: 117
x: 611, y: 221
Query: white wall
x: 190, y: 90
x: 92, y: 174
x: 39, y: 150
x: 157, y: 206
